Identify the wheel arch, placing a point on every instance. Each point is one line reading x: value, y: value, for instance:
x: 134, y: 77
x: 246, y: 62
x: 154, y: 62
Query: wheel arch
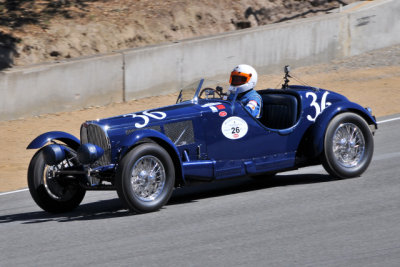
x: 148, y: 135
x: 315, y: 134
x: 45, y: 138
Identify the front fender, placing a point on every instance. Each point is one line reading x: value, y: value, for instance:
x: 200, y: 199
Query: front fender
x: 159, y: 138
x: 320, y: 125
x: 64, y: 137
x: 137, y: 136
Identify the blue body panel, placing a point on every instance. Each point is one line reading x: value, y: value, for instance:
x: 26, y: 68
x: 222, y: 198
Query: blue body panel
x: 261, y: 148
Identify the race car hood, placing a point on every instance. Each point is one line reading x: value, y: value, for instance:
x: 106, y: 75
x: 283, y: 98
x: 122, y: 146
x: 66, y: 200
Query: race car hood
x: 159, y: 116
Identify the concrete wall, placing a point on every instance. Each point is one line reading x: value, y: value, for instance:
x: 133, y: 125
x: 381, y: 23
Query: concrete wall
x: 374, y: 25
x: 162, y: 69
x: 63, y: 86
x: 158, y: 69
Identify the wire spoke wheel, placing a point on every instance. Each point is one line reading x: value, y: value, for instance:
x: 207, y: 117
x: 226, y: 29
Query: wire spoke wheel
x: 145, y: 178
x: 348, y: 145
x: 148, y: 178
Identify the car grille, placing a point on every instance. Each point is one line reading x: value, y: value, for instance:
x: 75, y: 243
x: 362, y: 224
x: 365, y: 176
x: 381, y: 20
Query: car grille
x: 94, y: 134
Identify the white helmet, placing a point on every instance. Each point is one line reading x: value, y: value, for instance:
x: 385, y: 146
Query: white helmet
x: 243, y: 78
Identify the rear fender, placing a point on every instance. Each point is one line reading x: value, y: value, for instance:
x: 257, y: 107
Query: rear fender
x: 319, y: 128
x: 64, y: 137
x: 143, y: 135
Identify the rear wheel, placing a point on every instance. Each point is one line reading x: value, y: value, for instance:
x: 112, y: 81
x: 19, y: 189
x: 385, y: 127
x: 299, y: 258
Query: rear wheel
x: 53, y: 194
x: 348, y: 146
x: 145, y: 178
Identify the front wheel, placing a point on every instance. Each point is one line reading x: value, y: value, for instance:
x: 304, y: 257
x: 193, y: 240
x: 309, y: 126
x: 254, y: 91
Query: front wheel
x: 51, y: 193
x: 145, y: 178
x: 348, y: 146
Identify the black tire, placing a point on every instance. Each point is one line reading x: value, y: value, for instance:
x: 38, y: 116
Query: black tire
x: 50, y: 194
x: 348, y: 146
x: 135, y: 175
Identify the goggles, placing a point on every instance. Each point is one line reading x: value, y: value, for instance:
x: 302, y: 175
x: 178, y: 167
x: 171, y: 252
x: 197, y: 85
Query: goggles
x: 239, y: 78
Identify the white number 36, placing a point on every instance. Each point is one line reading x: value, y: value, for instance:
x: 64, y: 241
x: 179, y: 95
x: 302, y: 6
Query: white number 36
x: 158, y: 115
x: 318, y: 107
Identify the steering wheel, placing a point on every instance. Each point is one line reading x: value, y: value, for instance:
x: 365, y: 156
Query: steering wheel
x: 209, y: 91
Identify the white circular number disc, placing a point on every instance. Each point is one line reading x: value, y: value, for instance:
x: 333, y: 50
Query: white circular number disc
x: 234, y: 128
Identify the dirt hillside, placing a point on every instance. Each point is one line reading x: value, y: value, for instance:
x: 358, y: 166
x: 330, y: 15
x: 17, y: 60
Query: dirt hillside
x: 34, y: 31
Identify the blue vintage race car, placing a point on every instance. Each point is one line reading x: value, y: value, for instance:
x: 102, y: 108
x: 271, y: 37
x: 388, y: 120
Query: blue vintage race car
x: 145, y: 155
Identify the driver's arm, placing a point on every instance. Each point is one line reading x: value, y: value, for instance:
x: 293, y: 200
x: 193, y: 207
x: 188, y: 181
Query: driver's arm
x: 254, y: 106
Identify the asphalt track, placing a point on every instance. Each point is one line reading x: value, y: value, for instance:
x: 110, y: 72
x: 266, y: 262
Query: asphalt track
x: 301, y: 218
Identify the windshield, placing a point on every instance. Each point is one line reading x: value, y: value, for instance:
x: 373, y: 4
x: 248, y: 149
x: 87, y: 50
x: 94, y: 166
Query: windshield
x: 203, y: 89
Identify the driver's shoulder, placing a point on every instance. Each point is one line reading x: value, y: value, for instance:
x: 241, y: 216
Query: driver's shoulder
x: 254, y: 95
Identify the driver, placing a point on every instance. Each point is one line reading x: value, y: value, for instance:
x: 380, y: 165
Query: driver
x: 243, y: 79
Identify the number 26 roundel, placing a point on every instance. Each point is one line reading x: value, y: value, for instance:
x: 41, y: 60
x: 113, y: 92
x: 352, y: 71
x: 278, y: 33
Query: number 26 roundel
x: 234, y: 128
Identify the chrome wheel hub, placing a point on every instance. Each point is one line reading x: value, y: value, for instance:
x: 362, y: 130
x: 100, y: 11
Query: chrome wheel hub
x: 148, y: 178
x: 348, y: 145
